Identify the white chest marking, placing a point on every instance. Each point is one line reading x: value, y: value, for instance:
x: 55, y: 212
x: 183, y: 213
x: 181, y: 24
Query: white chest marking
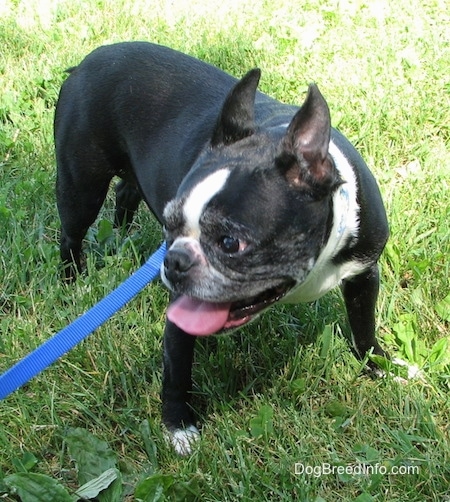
x: 325, y: 275
x: 200, y: 195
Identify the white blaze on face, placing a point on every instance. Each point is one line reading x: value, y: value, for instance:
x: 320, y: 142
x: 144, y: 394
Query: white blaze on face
x: 199, y: 198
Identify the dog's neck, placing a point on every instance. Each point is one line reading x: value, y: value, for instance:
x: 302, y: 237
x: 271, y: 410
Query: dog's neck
x: 324, y: 274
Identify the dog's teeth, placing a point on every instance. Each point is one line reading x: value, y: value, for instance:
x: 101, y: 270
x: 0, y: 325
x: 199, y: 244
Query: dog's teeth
x: 183, y: 440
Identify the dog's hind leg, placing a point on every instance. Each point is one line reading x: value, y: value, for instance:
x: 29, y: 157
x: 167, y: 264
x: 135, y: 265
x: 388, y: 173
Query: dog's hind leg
x: 128, y: 198
x: 79, y: 199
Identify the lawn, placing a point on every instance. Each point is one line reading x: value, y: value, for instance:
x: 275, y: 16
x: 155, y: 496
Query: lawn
x: 287, y: 413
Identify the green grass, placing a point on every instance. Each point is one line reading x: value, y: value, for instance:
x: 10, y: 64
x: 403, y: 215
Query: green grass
x: 283, y: 391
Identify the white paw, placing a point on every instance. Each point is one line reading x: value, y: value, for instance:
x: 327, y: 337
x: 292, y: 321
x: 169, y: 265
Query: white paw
x: 412, y: 371
x: 183, y: 440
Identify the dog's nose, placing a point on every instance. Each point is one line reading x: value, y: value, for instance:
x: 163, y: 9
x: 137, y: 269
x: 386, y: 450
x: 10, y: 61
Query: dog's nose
x: 177, y: 263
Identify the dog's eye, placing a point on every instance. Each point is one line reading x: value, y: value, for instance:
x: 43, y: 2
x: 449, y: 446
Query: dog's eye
x: 230, y: 245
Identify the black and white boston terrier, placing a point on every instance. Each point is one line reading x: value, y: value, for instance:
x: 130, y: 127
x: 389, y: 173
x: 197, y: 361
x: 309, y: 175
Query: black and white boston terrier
x: 261, y: 202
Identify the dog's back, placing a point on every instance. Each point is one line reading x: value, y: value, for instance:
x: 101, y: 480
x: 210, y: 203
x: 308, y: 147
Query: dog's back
x: 133, y: 103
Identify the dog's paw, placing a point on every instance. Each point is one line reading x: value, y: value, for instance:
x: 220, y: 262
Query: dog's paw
x: 183, y: 440
x: 413, y: 372
x: 402, y: 371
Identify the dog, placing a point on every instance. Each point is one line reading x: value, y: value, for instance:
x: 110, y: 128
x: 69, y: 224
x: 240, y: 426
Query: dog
x: 261, y: 202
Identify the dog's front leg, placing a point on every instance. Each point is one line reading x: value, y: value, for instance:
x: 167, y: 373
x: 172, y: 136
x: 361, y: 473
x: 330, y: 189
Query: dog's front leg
x: 176, y: 388
x: 360, y: 295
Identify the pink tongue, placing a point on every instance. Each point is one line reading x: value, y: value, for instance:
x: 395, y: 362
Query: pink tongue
x: 197, y: 317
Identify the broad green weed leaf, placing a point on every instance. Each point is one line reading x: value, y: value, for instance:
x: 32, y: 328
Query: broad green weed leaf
x: 404, y: 331
x: 92, y: 455
x: 105, y: 231
x: 382, y: 362
x: 440, y: 352
x: 443, y: 308
x: 366, y: 453
x: 364, y: 497
x: 412, y: 348
x: 26, y: 463
x: 92, y: 488
x: 114, y: 492
x: 184, y: 491
x: 262, y: 424
x: 33, y: 487
x: 342, y: 474
x: 336, y: 409
x: 298, y: 386
x: 152, y: 488
x: 393, y: 255
x: 162, y: 487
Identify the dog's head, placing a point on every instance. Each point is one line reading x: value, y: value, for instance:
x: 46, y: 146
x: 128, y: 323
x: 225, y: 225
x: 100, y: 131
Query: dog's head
x: 252, y: 215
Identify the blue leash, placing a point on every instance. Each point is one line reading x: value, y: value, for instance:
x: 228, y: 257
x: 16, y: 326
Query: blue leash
x: 67, y: 338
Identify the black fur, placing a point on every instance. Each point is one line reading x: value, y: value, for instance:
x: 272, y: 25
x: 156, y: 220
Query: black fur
x: 162, y: 121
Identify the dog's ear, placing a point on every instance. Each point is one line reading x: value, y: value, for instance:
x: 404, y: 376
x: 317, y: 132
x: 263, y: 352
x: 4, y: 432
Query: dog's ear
x: 304, y: 158
x: 237, y: 119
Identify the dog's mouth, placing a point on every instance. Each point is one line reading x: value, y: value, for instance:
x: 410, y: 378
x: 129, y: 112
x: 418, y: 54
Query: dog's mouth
x: 201, y: 318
